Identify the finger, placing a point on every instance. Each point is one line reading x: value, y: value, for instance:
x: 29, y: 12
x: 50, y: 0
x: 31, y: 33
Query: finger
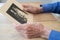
x: 28, y: 10
x: 25, y: 9
x: 25, y: 5
x: 19, y: 26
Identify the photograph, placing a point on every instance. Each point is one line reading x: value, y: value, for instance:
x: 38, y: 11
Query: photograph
x: 17, y: 14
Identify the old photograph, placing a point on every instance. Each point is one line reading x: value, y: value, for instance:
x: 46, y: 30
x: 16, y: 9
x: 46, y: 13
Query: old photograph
x: 16, y: 13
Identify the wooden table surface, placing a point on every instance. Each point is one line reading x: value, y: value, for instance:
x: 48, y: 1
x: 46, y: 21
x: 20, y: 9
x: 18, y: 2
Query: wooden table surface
x: 8, y: 31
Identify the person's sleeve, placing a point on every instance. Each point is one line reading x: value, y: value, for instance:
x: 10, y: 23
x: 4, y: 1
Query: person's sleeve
x: 54, y: 35
x: 53, y: 7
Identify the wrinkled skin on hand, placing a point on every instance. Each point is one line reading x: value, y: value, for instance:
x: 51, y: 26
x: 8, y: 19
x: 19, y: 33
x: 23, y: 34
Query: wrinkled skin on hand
x: 32, y: 9
x: 33, y: 30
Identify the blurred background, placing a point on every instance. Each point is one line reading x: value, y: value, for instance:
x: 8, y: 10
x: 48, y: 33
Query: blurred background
x: 43, y: 1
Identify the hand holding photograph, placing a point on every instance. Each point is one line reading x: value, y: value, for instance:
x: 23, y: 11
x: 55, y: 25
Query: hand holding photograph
x: 14, y: 12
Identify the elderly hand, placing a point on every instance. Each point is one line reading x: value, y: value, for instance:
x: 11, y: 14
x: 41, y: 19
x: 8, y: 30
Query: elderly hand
x: 32, y: 9
x: 33, y: 30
